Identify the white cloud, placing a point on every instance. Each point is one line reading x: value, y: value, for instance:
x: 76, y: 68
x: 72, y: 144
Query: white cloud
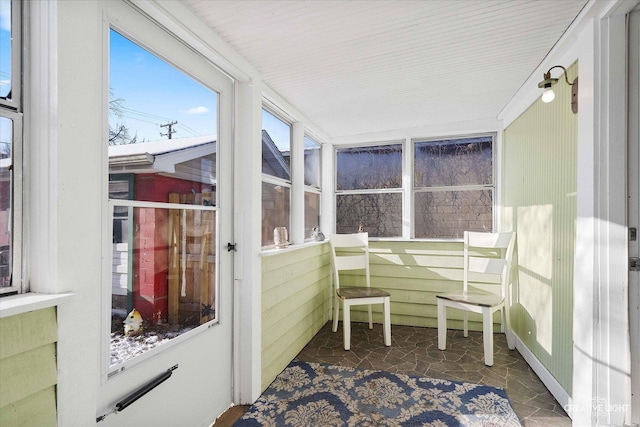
x: 197, y: 110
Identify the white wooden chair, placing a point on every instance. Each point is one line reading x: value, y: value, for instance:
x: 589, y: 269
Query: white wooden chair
x: 351, y: 252
x: 485, y: 303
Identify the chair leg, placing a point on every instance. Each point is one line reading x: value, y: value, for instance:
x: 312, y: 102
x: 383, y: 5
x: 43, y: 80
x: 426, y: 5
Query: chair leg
x: 387, y: 321
x: 442, y: 325
x: 346, y: 325
x: 465, y: 322
x: 487, y: 336
x: 336, y: 313
x: 370, y: 318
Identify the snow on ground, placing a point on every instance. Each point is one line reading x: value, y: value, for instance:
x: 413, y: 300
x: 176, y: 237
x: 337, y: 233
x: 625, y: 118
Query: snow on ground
x: 124, y: 347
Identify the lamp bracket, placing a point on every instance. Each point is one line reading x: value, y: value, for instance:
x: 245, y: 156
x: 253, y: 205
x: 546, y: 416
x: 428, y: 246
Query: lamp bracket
x: 574, y: 96
x: 547, y: 75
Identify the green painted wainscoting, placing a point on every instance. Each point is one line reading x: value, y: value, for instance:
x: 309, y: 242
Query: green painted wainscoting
x: 295, y: 304
x: 296, y: 293
x: 539, y: 202
x: 414, y: 272
x: 28, y: 369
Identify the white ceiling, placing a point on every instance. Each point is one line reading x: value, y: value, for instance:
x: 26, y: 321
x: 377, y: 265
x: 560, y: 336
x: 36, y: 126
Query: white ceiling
x: 356, y: 67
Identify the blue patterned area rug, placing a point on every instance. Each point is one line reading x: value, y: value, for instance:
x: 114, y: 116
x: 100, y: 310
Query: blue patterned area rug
x: 312, y: 394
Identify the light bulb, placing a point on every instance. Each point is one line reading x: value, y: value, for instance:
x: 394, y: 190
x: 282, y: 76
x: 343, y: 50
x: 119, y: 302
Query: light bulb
x: 548, y: 95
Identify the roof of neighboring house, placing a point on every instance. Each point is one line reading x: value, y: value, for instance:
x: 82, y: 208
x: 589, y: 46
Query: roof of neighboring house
x: 163, y: 156
x: 273, y: 161
x: 159, y: 156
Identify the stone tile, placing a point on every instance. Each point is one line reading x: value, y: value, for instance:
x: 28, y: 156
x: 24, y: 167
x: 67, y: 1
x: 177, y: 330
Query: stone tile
x: 414, y: 351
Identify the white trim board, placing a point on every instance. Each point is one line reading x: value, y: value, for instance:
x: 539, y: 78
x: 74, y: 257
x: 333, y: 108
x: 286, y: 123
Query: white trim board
x: 558, y: 392
x: 31, y: 301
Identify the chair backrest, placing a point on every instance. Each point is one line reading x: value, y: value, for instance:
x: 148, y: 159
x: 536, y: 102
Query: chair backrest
x: 350, y: 252
x: 503, y: 242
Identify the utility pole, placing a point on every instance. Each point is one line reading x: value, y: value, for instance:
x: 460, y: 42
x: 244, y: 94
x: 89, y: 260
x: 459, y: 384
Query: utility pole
x: 170, y: 131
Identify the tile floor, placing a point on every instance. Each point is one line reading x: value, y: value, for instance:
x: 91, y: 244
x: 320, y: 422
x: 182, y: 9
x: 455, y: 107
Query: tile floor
x: 414, y: 351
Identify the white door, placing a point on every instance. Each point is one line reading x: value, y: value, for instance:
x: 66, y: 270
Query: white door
x: 167, y: 329
x: 633, y: 212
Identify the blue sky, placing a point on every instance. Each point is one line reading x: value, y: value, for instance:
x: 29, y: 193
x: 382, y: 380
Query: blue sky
x: 5, y: 46
x: 153, y: 93
x: 5, y: 63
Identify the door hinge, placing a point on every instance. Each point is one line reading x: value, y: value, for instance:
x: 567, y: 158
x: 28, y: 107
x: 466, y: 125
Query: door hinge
x: 232, y: 247
x: 633, y: 234
x: 634, y: 264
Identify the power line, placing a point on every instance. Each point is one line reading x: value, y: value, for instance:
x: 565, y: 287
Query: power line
x: 189, y: 130
x: 143, y: 114
x: 141, y: 120
x: 130, y: 114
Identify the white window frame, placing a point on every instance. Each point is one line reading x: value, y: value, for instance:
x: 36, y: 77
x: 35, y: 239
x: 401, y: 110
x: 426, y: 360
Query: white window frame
x: 477, y: 187
x: 15, y: 102
x: 12, y: 109
x: 398, y: 190
x: 274, y: 180
x: 409, y: 189
x: 310, y: 188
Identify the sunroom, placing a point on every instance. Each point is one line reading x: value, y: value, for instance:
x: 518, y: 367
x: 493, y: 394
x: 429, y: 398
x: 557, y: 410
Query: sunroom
x: 272, y: 121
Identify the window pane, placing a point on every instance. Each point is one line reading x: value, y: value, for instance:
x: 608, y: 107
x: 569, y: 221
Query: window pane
x: 275, y: 210
x: 311, y: 163
x: 453, y: 162
x: 165, y: 269
x: 121, y: 190
x: 447, y: 214
x: 6, y: 76
x: 150, y: 100
x: 380, y: 214
x: 162, y: 148
x: 276, y: 146
x: 365, y: 168
x: 6, y: 186
x: 311, y: 212
x: 162, y: 127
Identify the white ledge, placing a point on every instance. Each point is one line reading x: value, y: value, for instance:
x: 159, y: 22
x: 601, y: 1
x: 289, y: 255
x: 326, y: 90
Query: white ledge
x: 268, y: 251
x: 23, y: 303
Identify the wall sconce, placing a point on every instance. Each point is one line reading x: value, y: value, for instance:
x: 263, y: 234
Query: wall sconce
x: 547, y: 85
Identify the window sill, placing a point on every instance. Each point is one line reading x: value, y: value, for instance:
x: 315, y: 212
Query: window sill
x: 276, y: 251
x: 23, y: 303
x: 416, y: 240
